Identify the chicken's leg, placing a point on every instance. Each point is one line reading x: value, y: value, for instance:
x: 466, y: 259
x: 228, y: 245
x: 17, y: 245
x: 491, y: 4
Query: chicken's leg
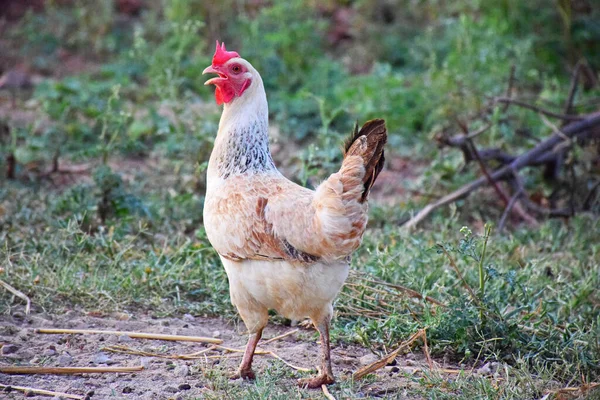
x: 245, y: 370
x: 325, y: 376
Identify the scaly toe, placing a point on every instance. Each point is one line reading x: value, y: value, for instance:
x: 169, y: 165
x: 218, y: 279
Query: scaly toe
x: 244, y: 374
x: 316, y: 382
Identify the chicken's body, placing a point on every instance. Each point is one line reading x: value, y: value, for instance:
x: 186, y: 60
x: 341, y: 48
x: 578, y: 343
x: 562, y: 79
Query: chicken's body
x: 284, y: 247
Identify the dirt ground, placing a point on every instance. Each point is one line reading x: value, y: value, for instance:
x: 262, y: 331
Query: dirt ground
x: 165, y: 378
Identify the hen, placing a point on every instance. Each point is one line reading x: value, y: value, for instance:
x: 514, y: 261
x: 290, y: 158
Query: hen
x: 283, y: 246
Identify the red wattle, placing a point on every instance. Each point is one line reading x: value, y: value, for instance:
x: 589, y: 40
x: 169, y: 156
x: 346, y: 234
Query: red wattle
x: 224, y: 94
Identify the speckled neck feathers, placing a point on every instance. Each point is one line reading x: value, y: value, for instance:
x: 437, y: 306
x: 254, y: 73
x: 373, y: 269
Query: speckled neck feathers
x: 242, y: 143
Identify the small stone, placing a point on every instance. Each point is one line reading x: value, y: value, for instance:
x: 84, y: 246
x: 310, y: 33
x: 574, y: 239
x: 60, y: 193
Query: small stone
x: 9, y: 348
x: 488, y: 368
x: 127, y: 389
x: 125, y: 339
x: 188, y: 318
x: 185, y: 386
x: 102, y: 358
x: 29, y: 393
x: 90, y: 393
x: 171, y: 389
x: 216, y: 334
x: 182, y: 370
x: 64, y: 359
x: 368, y: 359
x: 18, y: 315
x: 49, y: 353
x: 395, y: 370
x: 145, y: 362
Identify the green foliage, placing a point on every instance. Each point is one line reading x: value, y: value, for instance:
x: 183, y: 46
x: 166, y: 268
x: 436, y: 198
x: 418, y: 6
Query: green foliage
x: 513, y: 305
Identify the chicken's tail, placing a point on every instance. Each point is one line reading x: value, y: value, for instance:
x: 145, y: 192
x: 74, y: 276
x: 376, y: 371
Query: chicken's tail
x: 367, y: 143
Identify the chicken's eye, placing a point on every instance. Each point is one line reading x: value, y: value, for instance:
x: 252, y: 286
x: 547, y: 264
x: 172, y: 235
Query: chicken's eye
x: 236, y: 69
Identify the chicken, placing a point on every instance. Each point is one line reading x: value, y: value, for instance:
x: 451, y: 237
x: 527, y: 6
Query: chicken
x: 283, y: 246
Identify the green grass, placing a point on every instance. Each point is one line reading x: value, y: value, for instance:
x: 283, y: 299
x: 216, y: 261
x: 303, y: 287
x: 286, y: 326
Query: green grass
x: 128, y: 233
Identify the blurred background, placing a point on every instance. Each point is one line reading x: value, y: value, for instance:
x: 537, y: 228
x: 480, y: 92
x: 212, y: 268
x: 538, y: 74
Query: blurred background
x: 106, y: 129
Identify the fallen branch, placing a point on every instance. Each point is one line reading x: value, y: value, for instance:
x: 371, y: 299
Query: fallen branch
x: 135, y: 335
x: 326, y: 393
x: 540, y: 110
x: 583, y: 389
x: 42, y: 392
x: 280, y: 336
x: 506, y: 212
x: 410, y: 292
x: 66, y: 370
x: 571, y: 130
x: 361, y: 373
x: 19, y: 294
x: 516, y: 207
x: 127, y: 350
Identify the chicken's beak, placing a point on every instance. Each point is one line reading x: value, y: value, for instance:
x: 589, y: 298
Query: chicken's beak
x: 211, y: 70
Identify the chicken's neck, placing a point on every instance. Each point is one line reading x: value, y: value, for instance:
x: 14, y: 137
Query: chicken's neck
x: 242, y: 143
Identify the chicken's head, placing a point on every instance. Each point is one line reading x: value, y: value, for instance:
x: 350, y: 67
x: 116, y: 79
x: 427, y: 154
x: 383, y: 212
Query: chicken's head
x: 234, y: 73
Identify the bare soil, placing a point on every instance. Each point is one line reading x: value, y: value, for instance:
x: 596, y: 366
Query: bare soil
x: 167, y: 378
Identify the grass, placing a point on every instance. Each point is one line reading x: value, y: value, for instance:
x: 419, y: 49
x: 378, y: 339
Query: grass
x: 127, y: 233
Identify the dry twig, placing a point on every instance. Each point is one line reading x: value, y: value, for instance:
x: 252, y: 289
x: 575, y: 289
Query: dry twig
x: 280, y: 336
x: 19, y: 294
x: 537, y: 109
x: 326, y: 392
x: 66, y: 370
x: 400, y: 288
x: 128, y: 350
x: 388, y: 358
x: 136, y: 335
x: 42, y: 392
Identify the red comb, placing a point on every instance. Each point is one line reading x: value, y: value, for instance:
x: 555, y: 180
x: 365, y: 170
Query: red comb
x: 222, y: 55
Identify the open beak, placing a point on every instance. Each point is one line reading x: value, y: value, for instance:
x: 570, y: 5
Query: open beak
x: 210, y: 70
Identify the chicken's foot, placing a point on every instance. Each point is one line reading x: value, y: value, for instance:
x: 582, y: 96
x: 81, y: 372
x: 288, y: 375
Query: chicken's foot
x: 325, y: 376
x: 245, y: 370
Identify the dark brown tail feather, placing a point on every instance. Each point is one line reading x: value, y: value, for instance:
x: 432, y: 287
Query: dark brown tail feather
x: 370, y: 149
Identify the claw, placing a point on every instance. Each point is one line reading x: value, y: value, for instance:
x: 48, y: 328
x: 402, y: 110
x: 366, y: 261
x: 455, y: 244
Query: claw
x: 247, y: 374
x: 316, y: 382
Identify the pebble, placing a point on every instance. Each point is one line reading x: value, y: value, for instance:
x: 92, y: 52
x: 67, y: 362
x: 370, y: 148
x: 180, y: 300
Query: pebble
x: 145, y: 362
x: 127, y: 389
x: 488, y: 368
x: 64, y: 359
x: 188, y: 318
x: 395, y: 369
x: 185, y: 386
x: 49, y: 353
x: 9, y: 349
x: 368, y: 359
x: 125, y: 339
x: 216, y: 334
x: 102, y: 358
x: 18, y: 315
x: 182, y: 370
